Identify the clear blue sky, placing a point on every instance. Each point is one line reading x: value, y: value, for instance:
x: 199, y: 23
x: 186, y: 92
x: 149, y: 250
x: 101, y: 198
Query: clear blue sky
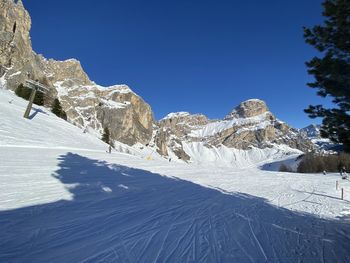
x: 201, y: 56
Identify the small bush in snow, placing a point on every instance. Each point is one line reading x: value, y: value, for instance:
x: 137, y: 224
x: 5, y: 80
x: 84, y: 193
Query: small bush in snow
x: 56, y: 109
x: 106, y: 135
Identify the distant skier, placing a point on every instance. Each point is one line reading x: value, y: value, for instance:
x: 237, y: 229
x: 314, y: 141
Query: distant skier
x: 109, y: 149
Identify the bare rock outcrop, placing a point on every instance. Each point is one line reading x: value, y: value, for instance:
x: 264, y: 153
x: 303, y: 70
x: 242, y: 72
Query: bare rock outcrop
x: 250, y: 124
x: 88, y: 105
x: 249, y: 108
x: 128, y: 117
x: 17, y: 59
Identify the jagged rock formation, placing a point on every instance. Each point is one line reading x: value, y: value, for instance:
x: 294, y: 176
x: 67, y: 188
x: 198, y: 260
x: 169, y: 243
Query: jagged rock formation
x: 17, y: 59
x: 88, y: 105
x: 249, y: 124
x: 129, y: 119
x: 127, y: 116
x: 313, y: 132
x: 248, y: 109
x: 173, y: 129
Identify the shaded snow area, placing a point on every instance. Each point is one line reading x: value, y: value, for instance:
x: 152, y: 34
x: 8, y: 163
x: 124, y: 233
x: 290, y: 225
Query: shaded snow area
x: 64, y: 199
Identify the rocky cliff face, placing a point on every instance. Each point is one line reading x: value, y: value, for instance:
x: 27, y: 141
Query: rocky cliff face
x: 17, y: 60
x: 129, y: 119
x: 87, y: 104
x: 174, y: 129
x: 323, y: 145
x: 248, y: 109
x: 250, y: 124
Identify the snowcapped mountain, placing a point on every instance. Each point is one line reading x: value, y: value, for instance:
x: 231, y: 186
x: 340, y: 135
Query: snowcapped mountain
x: 249, y: 129
x: 88, y: 105
x: 313, y: 132
x: 129, y: 119
x: 249, y: 126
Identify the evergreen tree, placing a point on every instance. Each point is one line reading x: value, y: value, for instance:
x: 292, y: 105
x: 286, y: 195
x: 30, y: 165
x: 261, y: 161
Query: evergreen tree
x: 56, y: 108
x: 19, y: 90
x: 106, y: 135
x: 332, y: 70
x: 39, y: 98
x: 25, y: 93
x: 64, y: 115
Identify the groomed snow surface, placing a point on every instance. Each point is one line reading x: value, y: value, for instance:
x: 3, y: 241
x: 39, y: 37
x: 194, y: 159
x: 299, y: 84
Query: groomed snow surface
x: 64, y: 199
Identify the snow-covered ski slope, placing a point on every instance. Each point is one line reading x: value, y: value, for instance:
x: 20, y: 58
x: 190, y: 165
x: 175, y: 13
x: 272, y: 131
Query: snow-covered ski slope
x: 64, y: 199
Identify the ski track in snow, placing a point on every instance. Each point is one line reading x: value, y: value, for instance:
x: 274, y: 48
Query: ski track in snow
x: 156, y: 219
x: 64, y: 199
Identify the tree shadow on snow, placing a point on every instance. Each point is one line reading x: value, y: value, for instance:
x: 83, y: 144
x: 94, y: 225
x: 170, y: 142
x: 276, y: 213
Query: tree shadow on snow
x: 121, y: 214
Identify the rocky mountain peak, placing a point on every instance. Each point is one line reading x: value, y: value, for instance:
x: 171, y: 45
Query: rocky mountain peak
x: 15, y: 24
x: 179, y: 114
x: 174, y: 118
x: 249, y: 108
x: 88, y: 105
x: 250, y: 124
x: 128, y: 117
x: 312, y: 131
x: 67, y: 69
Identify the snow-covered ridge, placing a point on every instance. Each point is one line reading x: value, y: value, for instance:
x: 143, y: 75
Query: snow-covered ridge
x: 215, y: 127
x: 255, y: 100
x: 90, y: 92
x: 110, y: 90
x: 115, y: 89
x: 176, y: 115
x: 312, y: 131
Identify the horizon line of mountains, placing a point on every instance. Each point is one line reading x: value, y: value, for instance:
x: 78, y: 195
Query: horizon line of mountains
x: 129, y: 118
